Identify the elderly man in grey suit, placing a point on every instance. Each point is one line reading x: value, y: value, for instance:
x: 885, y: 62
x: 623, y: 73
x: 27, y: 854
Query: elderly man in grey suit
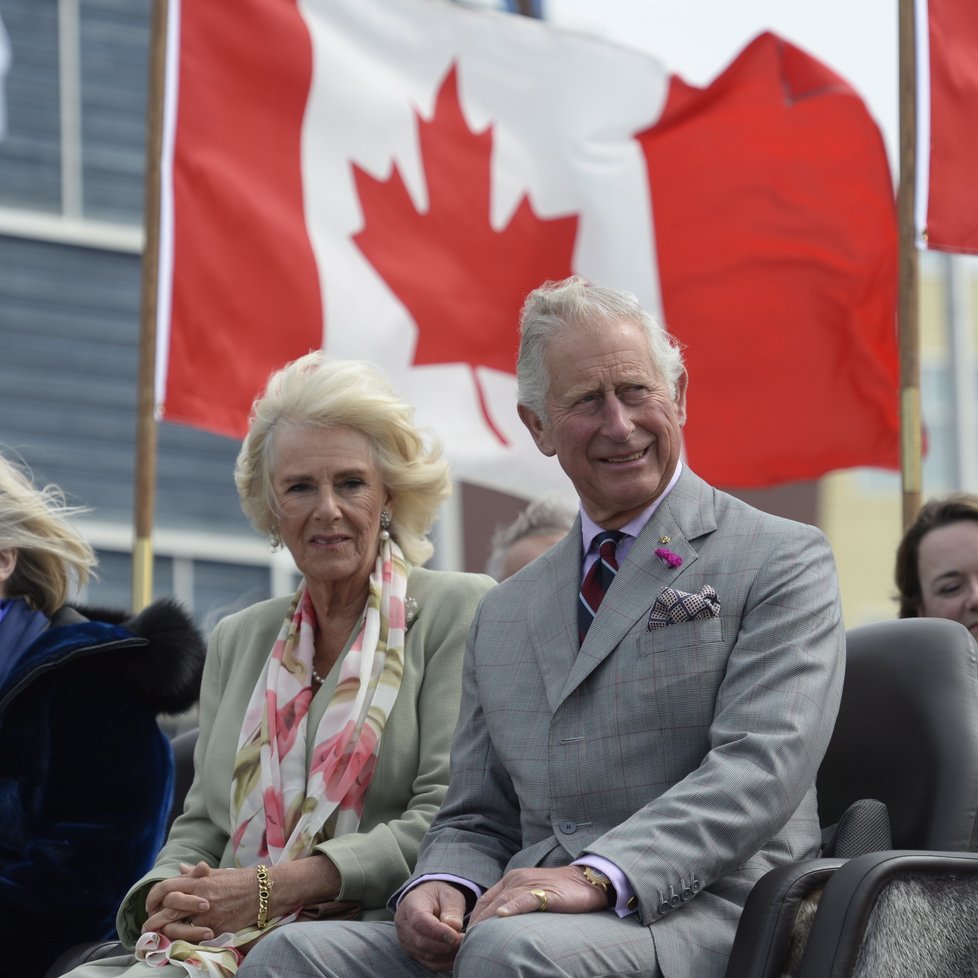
x: 641, y: 720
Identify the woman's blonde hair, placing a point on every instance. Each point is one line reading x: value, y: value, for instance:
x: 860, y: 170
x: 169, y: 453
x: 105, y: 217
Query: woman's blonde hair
x: 315, y: 391
x: 51, y: 554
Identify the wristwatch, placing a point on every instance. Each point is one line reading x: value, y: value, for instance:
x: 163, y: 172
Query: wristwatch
x: 597, y: 878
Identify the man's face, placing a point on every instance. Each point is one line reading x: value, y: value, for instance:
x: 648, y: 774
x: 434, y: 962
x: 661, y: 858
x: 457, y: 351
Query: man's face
x: 520, y: 553
x: 612, y: 424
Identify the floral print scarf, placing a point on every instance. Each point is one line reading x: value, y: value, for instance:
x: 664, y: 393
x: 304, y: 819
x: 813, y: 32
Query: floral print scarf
x: 277, y: 810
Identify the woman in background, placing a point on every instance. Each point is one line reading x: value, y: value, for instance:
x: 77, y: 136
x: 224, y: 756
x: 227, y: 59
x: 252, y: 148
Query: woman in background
x: 327, y: 715
x: 937, y: 562
x: 86, y: 775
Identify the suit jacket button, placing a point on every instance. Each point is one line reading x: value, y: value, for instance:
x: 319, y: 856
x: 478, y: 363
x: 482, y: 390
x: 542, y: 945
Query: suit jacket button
x: 696, y: 886
x: 664, y: 907
x: 687, y: 893
x: 568, y: 826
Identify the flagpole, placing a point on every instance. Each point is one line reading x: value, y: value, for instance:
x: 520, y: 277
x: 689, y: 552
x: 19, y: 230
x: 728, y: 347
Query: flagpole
x: 908, y: 306
x: 145, y: 457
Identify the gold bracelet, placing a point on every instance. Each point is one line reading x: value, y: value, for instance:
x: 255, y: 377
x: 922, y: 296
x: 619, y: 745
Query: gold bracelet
x: 264, y: 886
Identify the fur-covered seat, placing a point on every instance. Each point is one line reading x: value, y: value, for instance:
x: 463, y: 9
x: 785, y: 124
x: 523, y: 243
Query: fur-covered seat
x: 897, y: 914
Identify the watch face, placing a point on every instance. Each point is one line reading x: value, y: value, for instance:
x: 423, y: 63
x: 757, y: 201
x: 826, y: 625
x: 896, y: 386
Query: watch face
x: 596, y: 878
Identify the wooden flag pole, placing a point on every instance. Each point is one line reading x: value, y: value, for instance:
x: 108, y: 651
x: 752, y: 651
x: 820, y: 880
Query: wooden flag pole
x: 145, y: 460
x: 908, y: 306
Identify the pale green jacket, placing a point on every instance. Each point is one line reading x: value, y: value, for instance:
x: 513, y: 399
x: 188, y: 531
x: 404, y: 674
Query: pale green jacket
x: 411, y: 775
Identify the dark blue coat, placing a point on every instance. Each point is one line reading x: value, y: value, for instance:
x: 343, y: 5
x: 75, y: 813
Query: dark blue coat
x: 86, y: 774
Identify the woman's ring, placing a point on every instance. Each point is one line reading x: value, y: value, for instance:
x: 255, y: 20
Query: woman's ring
x: 541, y: 895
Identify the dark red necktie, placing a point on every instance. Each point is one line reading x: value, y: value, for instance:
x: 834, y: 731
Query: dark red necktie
x: 598, y: 580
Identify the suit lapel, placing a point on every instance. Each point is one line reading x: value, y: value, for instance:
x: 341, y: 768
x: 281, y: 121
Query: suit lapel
x: 685, y: 515
x: 553, y: 632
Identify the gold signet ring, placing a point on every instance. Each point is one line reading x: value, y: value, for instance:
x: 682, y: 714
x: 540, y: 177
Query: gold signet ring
x: 541, y: 895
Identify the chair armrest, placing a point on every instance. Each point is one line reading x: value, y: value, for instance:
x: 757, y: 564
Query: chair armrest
x: 913, y: 924
x: 767, y: 923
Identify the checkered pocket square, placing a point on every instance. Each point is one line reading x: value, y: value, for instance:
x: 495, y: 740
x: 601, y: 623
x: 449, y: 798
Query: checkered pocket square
x: 673, y: 607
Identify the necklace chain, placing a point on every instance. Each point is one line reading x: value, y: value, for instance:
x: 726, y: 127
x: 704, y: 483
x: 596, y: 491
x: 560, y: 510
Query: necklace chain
x: 315, y: 675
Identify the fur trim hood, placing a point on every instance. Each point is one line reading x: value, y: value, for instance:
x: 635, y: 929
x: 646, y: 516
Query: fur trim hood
x: 159, y: 652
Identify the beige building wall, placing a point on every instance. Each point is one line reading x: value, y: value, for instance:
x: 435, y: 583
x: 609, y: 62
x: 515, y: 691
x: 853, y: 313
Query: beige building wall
x: 864, y: 530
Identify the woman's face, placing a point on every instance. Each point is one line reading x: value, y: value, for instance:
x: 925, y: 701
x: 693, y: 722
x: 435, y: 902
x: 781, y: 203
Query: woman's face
x: 947, y: 563
x: 329, y: 497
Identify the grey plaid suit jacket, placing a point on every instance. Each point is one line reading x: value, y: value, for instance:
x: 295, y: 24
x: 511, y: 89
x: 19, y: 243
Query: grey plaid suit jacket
x: 686, y: 755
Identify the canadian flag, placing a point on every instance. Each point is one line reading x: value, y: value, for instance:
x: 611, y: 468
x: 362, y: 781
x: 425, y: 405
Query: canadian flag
x: 387, y: 179
x: 947, y: 125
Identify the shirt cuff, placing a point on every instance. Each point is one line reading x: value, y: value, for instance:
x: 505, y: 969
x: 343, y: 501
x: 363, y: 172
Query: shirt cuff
x: 626, y: 903
x: 473, y: 888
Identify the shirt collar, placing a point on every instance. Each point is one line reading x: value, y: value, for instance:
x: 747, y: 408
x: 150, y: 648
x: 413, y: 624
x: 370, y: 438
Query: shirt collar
x: 590, y: 529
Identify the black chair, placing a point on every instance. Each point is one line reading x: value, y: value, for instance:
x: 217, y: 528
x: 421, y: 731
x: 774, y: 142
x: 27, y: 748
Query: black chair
x: 907, y: 732
x: 906, y: 735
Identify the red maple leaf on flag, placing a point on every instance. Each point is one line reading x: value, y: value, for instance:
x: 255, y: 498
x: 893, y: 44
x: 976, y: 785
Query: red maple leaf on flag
x: 462, y: 281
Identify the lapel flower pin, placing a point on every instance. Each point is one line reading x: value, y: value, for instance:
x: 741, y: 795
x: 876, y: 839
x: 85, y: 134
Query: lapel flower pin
x: 667, y: 557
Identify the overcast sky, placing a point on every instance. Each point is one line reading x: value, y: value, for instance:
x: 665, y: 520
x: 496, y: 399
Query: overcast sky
x: 697, y: 39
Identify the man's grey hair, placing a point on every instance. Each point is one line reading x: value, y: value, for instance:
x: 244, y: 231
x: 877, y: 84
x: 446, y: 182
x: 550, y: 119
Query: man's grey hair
x: 558, y: 306
x: 549, y: 514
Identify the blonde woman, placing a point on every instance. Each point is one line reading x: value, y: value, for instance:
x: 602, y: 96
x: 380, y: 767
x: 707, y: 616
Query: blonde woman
x: 85, y: 772
x: 327, y: 715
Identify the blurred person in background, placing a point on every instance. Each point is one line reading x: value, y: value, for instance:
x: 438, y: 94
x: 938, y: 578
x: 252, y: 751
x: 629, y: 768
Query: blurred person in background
x: 937, y: 562
x: 86, y: 774
x: 326, y: 716
x: 535, y: 530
